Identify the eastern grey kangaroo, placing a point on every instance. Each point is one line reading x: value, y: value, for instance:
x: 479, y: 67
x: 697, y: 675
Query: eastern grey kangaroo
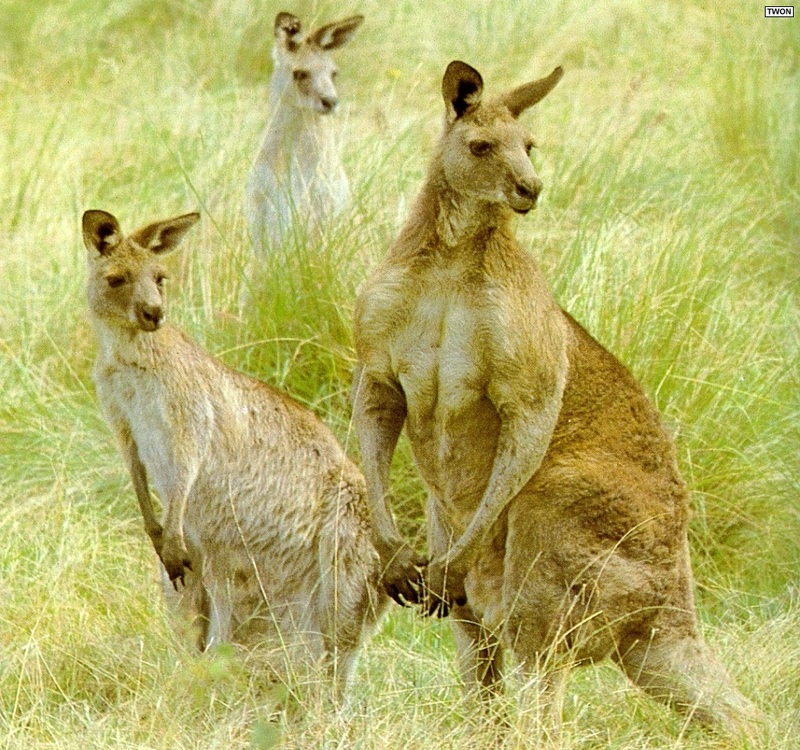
x: 297, y: 177
x: 266, y: 521
x: 557, y: 515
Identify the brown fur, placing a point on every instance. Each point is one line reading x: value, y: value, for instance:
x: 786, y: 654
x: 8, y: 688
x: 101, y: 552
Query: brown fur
x: 265, y: 519
x: 558, y: 518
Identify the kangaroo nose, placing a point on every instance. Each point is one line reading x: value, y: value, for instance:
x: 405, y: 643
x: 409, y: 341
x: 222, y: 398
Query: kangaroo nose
x: 530, y: 190
x: 150, y: 316
x: 328, y: 103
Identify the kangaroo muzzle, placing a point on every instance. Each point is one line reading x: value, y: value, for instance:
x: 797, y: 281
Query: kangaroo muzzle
x: 526, y: 194
x: 149, y: 317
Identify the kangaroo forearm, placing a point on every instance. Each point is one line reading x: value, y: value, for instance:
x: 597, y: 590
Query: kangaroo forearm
x: 519, y: 455
x: 378, y: 414
x: 376, y: 460
x: 385, y: 535
x: 175, y: 511
x: 528, y: 417
x: 139, y: 477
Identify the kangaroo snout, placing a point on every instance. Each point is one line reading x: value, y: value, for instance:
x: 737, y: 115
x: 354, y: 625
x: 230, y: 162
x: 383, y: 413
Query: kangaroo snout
x: 526, y: 194
x: 328, y: 103
x: 529, y: 190
x: 149, y: 317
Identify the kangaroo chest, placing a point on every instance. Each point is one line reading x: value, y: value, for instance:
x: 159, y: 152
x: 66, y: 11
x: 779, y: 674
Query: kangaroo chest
x: 441, y: 357
x: 147, y: 408
x: 437, y: 355
x: 300, y: 166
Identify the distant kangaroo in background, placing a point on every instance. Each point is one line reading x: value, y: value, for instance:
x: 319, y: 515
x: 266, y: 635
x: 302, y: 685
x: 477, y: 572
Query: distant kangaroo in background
x: 266, y: 520
x: 298, y: 175
x: 557, y: 515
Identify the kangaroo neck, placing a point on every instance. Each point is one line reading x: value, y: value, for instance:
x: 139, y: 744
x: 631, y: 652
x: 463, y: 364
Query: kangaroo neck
x: 292, y: 130
x: 454, y: 219
x: 130, y: 346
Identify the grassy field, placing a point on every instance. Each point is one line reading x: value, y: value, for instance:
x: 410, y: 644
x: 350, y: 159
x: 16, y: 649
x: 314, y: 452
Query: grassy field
x: 669, y: 226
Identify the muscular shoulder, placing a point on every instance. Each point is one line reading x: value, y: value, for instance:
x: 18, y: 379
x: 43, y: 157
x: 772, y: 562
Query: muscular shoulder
x: 518, y: 293
x: 529, y: 337
x: 381, y: 303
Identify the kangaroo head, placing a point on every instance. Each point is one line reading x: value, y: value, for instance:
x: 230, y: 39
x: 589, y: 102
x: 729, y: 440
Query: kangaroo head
x: 126, y: 275
x: 485, y: 150
x: 303, y: 61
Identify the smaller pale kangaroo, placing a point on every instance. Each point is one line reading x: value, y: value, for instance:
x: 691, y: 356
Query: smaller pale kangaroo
x: 297, y: 177
x: 557, y: 516
x: 266, y: 520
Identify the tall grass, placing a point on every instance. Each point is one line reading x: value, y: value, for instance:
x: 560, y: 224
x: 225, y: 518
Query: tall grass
x: 669, y: 227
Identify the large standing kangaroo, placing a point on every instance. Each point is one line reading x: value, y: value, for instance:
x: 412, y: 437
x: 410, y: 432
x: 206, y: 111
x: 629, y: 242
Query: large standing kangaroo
x: 558, y: 518
x: 266, y: 520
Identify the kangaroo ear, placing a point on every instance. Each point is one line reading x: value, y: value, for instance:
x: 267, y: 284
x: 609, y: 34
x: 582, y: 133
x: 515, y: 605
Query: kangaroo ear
x: 164, y: 236
x: 519, y: 99
x: 336, y: 34
x: 101, y: 231
x: 287, y: 31
x: 462, y: 87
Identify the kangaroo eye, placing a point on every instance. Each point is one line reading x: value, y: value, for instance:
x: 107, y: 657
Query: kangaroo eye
x: 480, y: 148
x: 300, y: 75
x: 160, y: 279
x: 115, y: 281
x: 334, y: 73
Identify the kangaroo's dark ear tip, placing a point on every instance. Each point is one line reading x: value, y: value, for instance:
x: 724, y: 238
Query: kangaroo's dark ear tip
x: 287, y: 23
x: 94, y: 217
x: 558, y: 72
x: 286, y: 20
x: 92, y: 213
x: 188, y: 220
x: 462, y: 78
x: 459, y: 67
